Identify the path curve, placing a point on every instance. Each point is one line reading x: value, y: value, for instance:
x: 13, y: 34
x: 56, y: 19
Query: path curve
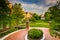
x: 18, y: 35
x: 21, y: 34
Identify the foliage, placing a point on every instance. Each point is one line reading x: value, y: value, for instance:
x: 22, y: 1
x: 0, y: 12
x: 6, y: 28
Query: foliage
x: 35, y: 34
x: 7, y: 32
x: 55, y: 26
x: 48, y: 16
x: 4, y: 9
x: 35, y: 17
x: 55, y: 29
x: 17, y: 14
x: 4, y: 12
x: 20, y: 27
x: 53, y: 13
x: 32, y: 19
x: 10, y: 17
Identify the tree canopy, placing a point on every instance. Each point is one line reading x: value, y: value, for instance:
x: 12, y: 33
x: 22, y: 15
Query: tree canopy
x: 11, y: 17
x: 4, y: 12
x: 53, y: 13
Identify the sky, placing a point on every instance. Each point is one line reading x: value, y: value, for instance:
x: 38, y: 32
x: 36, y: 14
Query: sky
x: 35, y: 6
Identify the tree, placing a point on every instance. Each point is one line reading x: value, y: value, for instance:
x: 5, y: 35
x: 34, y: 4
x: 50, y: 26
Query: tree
x: 53, y: 13
x: 17, y: 14
x: 48, y: 16
x: 4, y: 9
x: 4, y: 12
x: 35, y: 16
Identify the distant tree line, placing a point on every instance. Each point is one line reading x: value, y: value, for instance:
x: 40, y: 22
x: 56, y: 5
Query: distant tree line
x: 35, y: 17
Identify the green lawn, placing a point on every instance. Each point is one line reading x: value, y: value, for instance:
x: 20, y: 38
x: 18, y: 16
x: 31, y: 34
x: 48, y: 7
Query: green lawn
x: 39, y: 23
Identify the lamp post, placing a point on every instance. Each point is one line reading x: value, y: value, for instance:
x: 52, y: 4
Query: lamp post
x: 27, y: 17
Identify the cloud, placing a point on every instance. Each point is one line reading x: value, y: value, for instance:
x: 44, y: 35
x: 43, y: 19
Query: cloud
x: 37, y: 6
x: 37, y: 2
x: 34, y: 8
x: 50, y: 2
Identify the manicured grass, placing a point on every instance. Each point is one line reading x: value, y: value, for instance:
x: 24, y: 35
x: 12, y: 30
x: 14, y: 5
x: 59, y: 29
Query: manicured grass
x: 39, y: 23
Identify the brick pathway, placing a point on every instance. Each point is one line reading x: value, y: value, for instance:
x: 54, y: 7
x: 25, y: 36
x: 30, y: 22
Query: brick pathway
x: 21, y: 34
x: 47, y: 34
x: 17, y: 36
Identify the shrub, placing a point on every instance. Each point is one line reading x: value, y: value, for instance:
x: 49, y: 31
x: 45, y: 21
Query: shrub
x: 20, y: 27
x: 35, y: 34
x: 7, y: 32
x: 55, y: 26
x: 55, y: 29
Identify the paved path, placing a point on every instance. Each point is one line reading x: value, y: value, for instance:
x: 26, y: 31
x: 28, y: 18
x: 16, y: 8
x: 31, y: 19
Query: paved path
x: 21, y: 34
x: 17, y: 36
x: 47, y: 34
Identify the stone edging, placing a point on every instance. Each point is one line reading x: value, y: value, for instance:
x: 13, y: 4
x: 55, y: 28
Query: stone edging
x: 10, y: 34
x: 40, y: 39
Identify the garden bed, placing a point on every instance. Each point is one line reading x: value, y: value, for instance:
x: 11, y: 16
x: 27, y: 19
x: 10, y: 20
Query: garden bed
x: 55, y: 33
x: 7, y: 32
x: 35, y: 34
x: 26, y: 38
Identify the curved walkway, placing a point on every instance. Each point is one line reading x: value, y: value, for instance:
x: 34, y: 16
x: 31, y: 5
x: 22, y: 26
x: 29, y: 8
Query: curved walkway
x: 21, y: 34
x: 18, y: 35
